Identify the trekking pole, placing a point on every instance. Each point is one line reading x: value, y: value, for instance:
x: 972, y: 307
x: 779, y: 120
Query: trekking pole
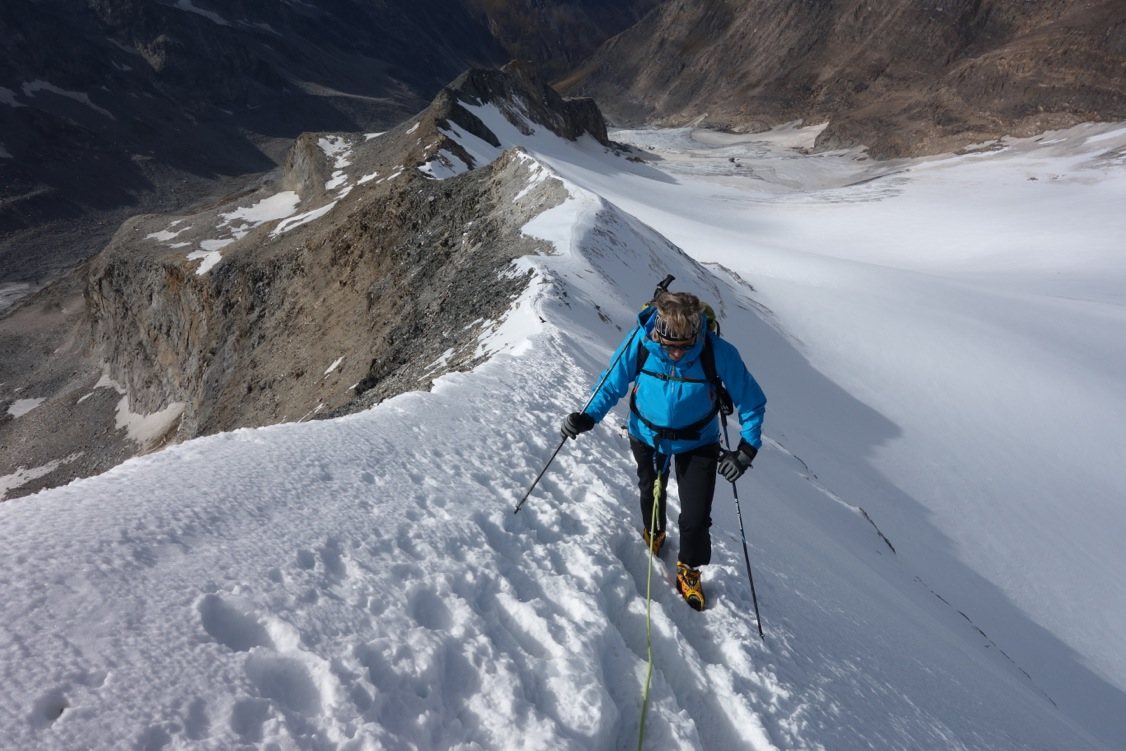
x: 746, y: 555
x: 542, y: 471
x: 662, y: 286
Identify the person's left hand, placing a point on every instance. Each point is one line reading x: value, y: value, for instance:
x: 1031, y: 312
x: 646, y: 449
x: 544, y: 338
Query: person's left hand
x: 732, y: 464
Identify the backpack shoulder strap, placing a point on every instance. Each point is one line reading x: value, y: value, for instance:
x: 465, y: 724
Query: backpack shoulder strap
x: 643, y: 351
x: 642, y: 356
x: 707, y: 359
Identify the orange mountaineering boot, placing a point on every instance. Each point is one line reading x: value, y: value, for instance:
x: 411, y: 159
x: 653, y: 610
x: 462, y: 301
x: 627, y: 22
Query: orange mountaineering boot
x: 653, y: 542
x: 688, y: 584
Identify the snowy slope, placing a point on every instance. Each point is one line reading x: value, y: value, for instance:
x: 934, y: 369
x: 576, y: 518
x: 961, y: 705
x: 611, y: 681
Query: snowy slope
x: 363, y: 582
x: 974, y: 303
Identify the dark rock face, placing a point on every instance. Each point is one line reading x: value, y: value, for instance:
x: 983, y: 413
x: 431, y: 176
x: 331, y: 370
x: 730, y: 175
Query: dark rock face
x: 901, y: 77
x: 561, y: 34
x: 349, y: 276
x: 112, y: 106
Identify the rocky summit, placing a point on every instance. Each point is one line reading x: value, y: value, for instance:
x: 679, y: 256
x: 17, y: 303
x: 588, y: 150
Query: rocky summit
x: 369, y: 265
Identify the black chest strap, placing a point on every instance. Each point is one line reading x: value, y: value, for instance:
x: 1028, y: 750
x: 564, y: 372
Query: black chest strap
x: 721, y: 404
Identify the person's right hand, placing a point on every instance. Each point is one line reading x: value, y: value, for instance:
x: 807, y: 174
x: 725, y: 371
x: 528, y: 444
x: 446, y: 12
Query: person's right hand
x: 575, y: 423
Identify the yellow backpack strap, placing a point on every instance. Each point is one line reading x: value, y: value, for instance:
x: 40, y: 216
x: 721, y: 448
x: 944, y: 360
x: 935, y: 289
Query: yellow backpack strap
x: 710, y: 316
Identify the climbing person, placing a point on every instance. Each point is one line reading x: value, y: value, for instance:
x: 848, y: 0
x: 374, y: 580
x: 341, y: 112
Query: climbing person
x: 683, y: 374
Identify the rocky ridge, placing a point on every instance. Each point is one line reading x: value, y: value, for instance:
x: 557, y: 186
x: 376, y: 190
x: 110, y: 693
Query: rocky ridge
x: 348, y: 276
x: 156, y: 106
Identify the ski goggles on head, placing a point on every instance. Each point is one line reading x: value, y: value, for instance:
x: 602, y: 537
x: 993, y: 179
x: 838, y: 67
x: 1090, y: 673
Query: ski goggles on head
x: 675, y: 345
x: 667, y: 339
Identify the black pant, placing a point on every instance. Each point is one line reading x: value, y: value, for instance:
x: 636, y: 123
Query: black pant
x: 695, y: 478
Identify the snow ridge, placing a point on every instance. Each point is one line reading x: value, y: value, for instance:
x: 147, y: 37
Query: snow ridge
x: 362, y: 583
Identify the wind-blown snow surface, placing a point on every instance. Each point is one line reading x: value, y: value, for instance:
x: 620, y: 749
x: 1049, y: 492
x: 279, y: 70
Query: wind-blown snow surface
x: 363, y: 582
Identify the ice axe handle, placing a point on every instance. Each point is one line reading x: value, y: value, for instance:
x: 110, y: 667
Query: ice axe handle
x: 664, y: 285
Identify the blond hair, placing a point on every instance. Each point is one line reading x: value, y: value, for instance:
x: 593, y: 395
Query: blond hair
x: 678, y: 315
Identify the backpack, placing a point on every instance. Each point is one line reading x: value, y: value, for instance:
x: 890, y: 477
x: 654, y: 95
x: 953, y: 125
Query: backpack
x: 723, y: 403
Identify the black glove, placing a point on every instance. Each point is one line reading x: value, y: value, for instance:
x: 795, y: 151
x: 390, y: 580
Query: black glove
x: 732, y: 464
x: 575, y: 423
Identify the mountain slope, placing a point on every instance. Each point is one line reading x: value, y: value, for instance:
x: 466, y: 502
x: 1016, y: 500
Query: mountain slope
x: 157, y: 107
x: 363, y: 582
x: 319, y: 290
x: 561, y: 34
x: 951, y: 297
x: 899, y: 77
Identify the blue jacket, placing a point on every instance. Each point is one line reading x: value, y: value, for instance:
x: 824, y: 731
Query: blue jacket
x: 683, y: 396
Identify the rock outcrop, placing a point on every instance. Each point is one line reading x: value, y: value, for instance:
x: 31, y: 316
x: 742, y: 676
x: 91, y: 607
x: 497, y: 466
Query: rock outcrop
x: 521, y: 93
x: 351, y: 275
